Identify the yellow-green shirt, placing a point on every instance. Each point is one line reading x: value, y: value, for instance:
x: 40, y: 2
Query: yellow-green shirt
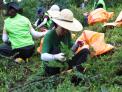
x: 18, y: 31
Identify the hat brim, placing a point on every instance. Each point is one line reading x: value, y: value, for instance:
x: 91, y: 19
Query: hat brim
x: 75, y: 25
x: 119, y: 18
x: 110, y: 24
x: 13, y: 5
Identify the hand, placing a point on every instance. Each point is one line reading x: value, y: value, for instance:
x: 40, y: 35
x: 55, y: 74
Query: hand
x: 80, y: 43
x: 44, y: 32
x: 60, y: 57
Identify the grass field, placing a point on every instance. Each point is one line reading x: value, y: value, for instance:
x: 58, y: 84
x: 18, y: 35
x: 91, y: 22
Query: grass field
x: 103, y: 74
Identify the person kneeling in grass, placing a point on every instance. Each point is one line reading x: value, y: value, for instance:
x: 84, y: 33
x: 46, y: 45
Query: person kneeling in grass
x: 51, y: 48
x: 17, y: 35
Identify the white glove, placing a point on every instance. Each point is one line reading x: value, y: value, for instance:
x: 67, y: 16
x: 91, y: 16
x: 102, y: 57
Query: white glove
x: 60, y: 57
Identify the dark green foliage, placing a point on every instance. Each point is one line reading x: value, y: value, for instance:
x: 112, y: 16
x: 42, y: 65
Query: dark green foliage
x: 68, y: 54
x: 1, y: 21
x: 67, y: 51
x: 39, y: 84
x: 29, y: 8
x: 103, y: 73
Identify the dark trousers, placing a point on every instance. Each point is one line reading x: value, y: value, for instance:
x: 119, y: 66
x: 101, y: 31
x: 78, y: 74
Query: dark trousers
x: 85, y: 21
x: 79, y: 58
x: 24, y: 52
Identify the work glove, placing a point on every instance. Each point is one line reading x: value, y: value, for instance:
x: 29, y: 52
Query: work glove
x: 60, y: 57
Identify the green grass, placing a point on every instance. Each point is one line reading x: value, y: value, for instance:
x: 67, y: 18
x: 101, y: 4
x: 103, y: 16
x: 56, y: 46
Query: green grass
x: 103, y: 74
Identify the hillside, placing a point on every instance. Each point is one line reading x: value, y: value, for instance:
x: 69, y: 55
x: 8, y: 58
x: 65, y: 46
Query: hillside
x: 103, y: 73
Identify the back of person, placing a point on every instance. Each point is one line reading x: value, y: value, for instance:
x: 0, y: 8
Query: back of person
x: 18, y: 44
x: 99, y: 4
x: 43, y: 21
x: 18, y: 30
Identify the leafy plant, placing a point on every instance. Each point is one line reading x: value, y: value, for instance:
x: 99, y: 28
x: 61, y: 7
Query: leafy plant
x: 67, y: 51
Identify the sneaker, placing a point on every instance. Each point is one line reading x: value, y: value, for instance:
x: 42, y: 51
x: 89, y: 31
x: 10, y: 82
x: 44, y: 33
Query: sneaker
x: 19, y: 60
x: 27, y: 60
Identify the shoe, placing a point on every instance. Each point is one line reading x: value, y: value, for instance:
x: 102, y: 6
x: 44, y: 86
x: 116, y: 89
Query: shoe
x: 27, y: 60
x: 19, y: 60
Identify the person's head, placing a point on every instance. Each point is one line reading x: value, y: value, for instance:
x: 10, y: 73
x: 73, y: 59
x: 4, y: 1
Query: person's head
x: 61, y: 31
x: 12, y: 9
x: 66, y: 22
x: 40, y: 11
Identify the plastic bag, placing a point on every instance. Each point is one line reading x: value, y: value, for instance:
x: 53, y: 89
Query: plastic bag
x: 95, y: 41
x: 99, y: 16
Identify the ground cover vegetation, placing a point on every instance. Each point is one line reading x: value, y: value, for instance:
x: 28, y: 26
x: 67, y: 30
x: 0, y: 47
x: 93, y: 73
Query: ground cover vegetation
x: 103, y: 73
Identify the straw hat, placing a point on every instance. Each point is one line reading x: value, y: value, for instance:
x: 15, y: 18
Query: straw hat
x: 110, y: 24
x: 119, y: 18
x: 116, y: 23
x: 66, y: 20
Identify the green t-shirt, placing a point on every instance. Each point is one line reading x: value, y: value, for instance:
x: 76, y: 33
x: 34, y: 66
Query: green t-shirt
x: 51, y: 45
x: 18, y: 31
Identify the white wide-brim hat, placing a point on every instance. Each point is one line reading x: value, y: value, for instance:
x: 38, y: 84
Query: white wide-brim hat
x: 54, y: 8
x: 53, y: 14
x: 66, y: 20
x: 110, y: 24
x: 119, y: 18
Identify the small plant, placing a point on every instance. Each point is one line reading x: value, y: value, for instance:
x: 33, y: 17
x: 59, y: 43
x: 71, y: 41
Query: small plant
x: 67, y: 51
